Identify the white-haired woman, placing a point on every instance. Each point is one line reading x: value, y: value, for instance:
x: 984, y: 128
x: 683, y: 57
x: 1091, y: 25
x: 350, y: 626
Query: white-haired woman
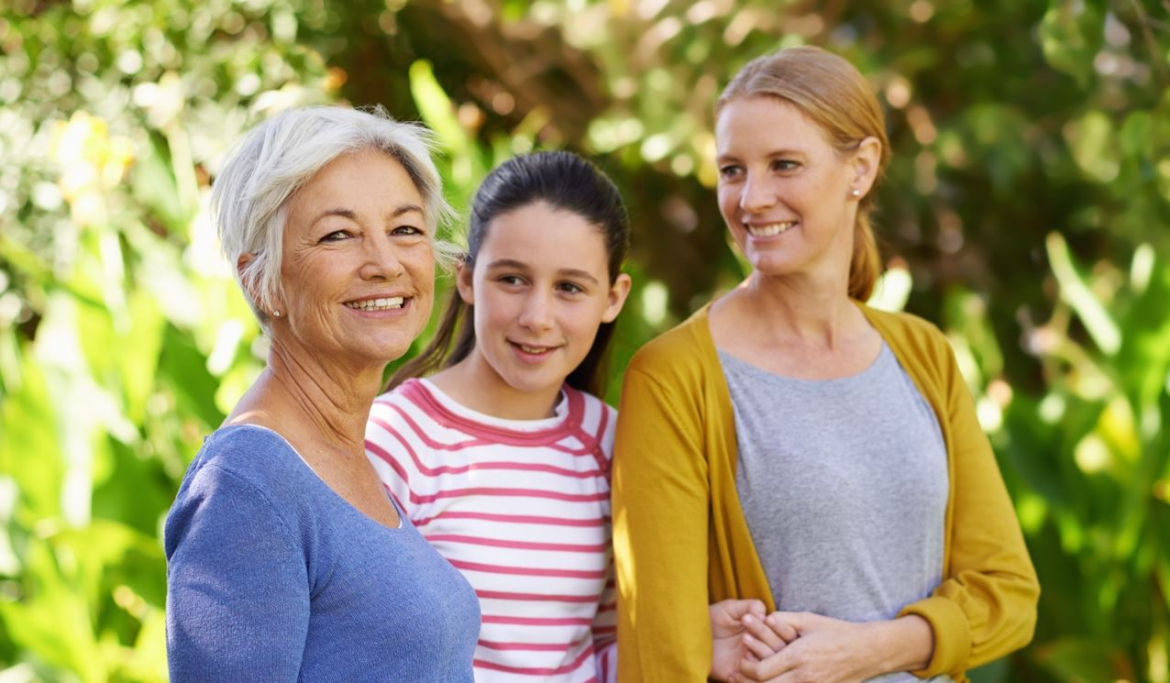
x: 287, y: 561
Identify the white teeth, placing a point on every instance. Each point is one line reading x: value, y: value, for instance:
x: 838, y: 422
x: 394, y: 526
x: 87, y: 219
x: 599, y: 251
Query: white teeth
x: 377, y: 304
x: 531, y: 349
x: 770, y: 229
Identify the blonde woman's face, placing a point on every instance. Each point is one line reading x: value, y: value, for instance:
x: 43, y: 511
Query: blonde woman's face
x: 784, y: 191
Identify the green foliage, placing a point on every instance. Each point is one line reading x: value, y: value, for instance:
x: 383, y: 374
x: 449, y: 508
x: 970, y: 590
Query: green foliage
x: 1023, y: 212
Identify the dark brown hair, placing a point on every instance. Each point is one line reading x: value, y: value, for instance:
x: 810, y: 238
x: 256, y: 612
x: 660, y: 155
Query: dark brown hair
x: 565, y: 182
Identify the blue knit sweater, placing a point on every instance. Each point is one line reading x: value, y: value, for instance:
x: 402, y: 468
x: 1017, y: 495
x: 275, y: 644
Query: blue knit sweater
x: 274, y: 577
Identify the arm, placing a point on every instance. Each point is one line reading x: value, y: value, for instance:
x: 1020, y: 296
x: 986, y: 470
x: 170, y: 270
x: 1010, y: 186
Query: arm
x: 985, y: 606
x: 604, y: 631
x: 661, y: 503
x: 237, y: 588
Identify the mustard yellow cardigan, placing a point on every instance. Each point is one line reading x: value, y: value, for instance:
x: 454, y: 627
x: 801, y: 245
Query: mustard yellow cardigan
x: 681, y: 541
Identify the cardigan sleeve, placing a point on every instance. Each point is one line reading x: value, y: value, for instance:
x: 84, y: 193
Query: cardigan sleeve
x: 985, y: 606
x: 237, y: 586
x: 661, y: 508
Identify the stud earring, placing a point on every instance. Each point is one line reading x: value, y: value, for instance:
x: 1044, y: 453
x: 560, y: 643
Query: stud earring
x: 276, y: 313
x: 856, y: 192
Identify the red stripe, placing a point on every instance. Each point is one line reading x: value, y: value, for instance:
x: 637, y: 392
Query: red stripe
x: 385, y: 455
x: 607, y: 608
x: 420, y: 432
x: 533, y: 671
x: 519, y: 545
x: 604, y: 630
x: 418, y: 394
x: 528, y: 571
x: 517, y: 519
x: 510, y: 493
x: 530, y: 647
x: 539, y: 597
x: 537, y: 621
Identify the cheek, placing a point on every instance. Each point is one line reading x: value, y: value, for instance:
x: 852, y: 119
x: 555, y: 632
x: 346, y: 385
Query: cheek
x: 728, y: 199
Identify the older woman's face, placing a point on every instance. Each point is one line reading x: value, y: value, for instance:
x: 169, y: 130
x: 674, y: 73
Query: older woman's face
x: 358, y: 267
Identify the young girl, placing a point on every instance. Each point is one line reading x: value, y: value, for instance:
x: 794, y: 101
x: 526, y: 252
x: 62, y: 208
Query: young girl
x: 501, y: 458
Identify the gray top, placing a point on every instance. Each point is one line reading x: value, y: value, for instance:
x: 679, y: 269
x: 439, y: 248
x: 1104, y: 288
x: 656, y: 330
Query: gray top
x: 843, y: 484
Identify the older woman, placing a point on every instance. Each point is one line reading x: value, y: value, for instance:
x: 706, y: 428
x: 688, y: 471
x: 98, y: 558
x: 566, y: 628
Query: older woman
x: 287, y: 561
x: 790, y: 444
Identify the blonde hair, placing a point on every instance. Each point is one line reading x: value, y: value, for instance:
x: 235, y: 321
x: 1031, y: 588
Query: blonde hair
x: 833, y: 93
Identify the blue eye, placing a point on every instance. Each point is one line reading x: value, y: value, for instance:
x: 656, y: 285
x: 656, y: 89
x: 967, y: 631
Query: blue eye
x: 335, y: 236
x: 407, y: 230
x: 785, y: 165
x: 729, y: 171
x: 570, y: 288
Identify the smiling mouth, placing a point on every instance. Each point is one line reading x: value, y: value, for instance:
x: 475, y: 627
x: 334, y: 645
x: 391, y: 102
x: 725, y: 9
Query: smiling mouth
x: 533, y: 350
x: 770, y: 229
x: 383, y: 304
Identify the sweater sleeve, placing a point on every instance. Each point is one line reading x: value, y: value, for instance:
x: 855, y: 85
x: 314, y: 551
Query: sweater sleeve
x: 985, y: 606
x: 661, y: 508
x: 238, y: 590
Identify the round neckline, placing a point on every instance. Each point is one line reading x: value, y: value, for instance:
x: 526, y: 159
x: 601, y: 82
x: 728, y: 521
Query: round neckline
x: 861, y: 375
x: 454, y: 411
x: 336, y: 496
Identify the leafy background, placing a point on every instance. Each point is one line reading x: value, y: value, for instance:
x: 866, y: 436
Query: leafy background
x: 1026, y: 213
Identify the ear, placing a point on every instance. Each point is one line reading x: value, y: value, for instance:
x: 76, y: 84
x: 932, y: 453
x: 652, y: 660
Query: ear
x: 866, y: 159
x: 250, y: 285
x: 464, y: 276
x: 617, y: 298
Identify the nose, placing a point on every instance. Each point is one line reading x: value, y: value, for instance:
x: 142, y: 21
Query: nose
x: 537, y: 313
x: 756, y: 195
x: 380, y: 260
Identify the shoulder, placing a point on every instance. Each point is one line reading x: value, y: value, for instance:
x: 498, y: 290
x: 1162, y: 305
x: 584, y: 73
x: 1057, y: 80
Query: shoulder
x: 404, y: 395
x: 594, y: 415
x: 685, y: 353
x: 910, y: 334
x: 242, y: 476
x: 252, y: 454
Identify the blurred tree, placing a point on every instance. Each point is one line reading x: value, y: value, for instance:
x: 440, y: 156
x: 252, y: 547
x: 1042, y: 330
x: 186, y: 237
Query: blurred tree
x: 1025, y: 212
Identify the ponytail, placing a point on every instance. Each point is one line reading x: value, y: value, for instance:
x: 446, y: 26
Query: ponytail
x: 453, y: 342
x: 866, y: 264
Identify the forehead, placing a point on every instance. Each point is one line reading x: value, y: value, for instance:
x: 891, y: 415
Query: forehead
x: 539, y: 233
x: 762, y: 123
x: 365, y: 178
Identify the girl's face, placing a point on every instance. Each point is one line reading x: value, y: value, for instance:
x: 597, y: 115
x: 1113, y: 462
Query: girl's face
x: 541, y: 288
x: 785, y: 193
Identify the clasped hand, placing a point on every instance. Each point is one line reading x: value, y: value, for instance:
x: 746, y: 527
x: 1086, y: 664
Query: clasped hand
x: 785, y: 647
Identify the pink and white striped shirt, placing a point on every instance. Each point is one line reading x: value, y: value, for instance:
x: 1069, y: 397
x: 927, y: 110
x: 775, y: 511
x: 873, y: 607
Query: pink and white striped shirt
x: 521, y: 507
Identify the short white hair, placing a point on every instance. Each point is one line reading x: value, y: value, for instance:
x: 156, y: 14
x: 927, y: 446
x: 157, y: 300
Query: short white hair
x: 250, y: 198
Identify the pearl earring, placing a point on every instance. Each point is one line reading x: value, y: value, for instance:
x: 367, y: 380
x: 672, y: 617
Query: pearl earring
x: 276, y: 313
x: 856, y: 192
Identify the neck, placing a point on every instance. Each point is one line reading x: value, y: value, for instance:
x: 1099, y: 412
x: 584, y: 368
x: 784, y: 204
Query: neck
x: 300, y: 394
x: 475, y: 384
x: 801, y: 310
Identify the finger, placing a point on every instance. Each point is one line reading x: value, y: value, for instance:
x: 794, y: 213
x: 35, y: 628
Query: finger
x: 762, y: 631
x: 782, y: 625
x: 757, y: 648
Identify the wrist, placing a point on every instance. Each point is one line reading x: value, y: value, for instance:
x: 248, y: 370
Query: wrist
x: 901, y: 644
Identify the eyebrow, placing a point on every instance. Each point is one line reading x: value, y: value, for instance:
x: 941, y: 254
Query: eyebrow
x: 564, y: 272
x: 770, y: 155
x: 351, y: 215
